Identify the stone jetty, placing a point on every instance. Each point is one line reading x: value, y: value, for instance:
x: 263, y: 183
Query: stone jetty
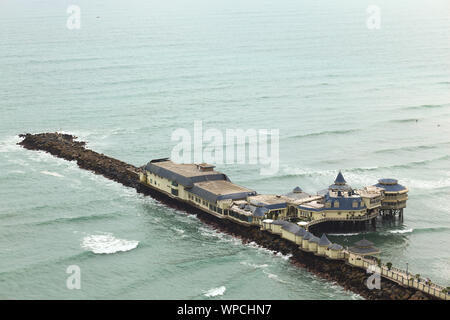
x: 66, y: 146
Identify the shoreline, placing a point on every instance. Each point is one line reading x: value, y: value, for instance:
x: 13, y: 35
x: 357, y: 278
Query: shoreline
x: 349, y: 277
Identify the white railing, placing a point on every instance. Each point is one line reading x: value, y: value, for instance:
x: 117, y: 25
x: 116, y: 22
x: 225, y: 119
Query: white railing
x: 407, y: 279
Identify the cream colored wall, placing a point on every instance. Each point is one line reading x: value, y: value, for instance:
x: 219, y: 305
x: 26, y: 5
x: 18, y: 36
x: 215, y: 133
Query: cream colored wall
x: 322, y: 250
x: 305, y: 244
x: 355, y: 260
x: 298, y: 240
x: 312, y: 246
x: 335, y: 214
x: 276, y: 228
x: 287, y: 235
x: 335, y: 254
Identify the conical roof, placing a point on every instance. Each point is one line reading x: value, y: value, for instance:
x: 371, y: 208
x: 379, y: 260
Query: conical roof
x: 291, y: 227
x: 340, y: 179
x: 301, y: 232
x: 297, y: 189
x: 364, y: 247
x: 324, y: 240
x: 363, y: 243
x: 307, y: 236
x: 335, y: 246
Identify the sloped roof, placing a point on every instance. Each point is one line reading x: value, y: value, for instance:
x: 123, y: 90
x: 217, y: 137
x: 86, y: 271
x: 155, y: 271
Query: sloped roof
x: 297, y: 189
x: 335, y: 246
x: 260, y: 211
x: 364, y: 247
x: 390, y: 185
x: 363, y: 243
x: 364, y: 250
x: 307, y: 235
x: 291, y: 227
x: 314, y: 239
x: 301, y: 232
x: 324, y: 240
x: 280, y: 222
x: 340, y: 179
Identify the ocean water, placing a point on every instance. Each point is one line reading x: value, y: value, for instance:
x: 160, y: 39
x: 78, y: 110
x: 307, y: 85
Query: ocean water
x: 374, y: 103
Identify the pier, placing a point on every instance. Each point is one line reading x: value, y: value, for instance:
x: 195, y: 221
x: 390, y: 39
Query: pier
x: 310, y: 254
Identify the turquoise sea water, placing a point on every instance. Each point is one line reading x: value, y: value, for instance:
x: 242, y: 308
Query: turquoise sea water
x: 374, y: 103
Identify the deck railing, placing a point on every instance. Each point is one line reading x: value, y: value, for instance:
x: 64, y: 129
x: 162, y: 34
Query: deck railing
x: 407, y: 279
x: 347, y: 218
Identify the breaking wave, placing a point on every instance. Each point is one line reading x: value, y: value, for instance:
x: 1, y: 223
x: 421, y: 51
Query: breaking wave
x: 402, y: 231
x: 322, y: 133
x: 404, y: 120
x: 256, y: 266
x: 215, y: 292
x: 274, y: 277
x: 54, y: 174
x: 412, y: 148
x: 427, y: 106
x: 107, y: 244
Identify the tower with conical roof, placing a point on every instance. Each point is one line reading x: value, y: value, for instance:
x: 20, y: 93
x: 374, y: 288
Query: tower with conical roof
x: 340, y: 184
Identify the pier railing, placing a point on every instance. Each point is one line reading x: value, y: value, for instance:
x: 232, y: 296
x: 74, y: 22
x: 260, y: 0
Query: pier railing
x: 357, y: 218
x: 407, y: 279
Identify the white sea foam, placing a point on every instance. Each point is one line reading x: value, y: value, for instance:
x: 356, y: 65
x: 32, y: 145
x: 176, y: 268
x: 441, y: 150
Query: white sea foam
x: 9, y: 144
x: 215, y: 292
x: 107, y: 244
x: 256, y: 266
x: 55, y: 174
x: 181, y: 231
x: 284, y: 256
x: 273, y: 277
x: 402, y: 231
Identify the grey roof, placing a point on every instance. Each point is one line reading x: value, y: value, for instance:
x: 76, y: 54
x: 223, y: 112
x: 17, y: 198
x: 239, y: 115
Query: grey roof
x: 363, y: 243
x: 340, y: 179
x: 364, y: 250
x: 280, y: 222
x: 335, y: 246
x: 324, y: 240
x: 301, y: 232
x: 291, y: 227
x: 364, y: 247
x: 390, y: 185
x: 185, y: 181
x: 314, y: 239
x: 212, y: 197
x: 260, y: 211
x: 307, y: 235
x: 297, y: 189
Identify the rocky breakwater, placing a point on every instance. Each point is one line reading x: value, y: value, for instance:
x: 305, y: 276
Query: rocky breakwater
x: 66, y: 147
x: 351, y: 278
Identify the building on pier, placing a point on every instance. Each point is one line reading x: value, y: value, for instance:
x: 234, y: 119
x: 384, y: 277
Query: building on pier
x: 335, y: 251
x: 341, y: 202
x: 395, y: 196
x: 362, y: 249
x: 201, y: 186
x: 313, y: 243
x: 323, y: 245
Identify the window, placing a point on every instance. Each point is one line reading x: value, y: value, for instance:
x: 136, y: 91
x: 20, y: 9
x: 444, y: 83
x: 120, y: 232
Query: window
x: 174, y: 184
x: 336, y: 204
x: 328, y: 204
x: 355, y: 204
x: 174, y: 192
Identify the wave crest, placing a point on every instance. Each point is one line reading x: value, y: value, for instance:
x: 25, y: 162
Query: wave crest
x: 107, y: 244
